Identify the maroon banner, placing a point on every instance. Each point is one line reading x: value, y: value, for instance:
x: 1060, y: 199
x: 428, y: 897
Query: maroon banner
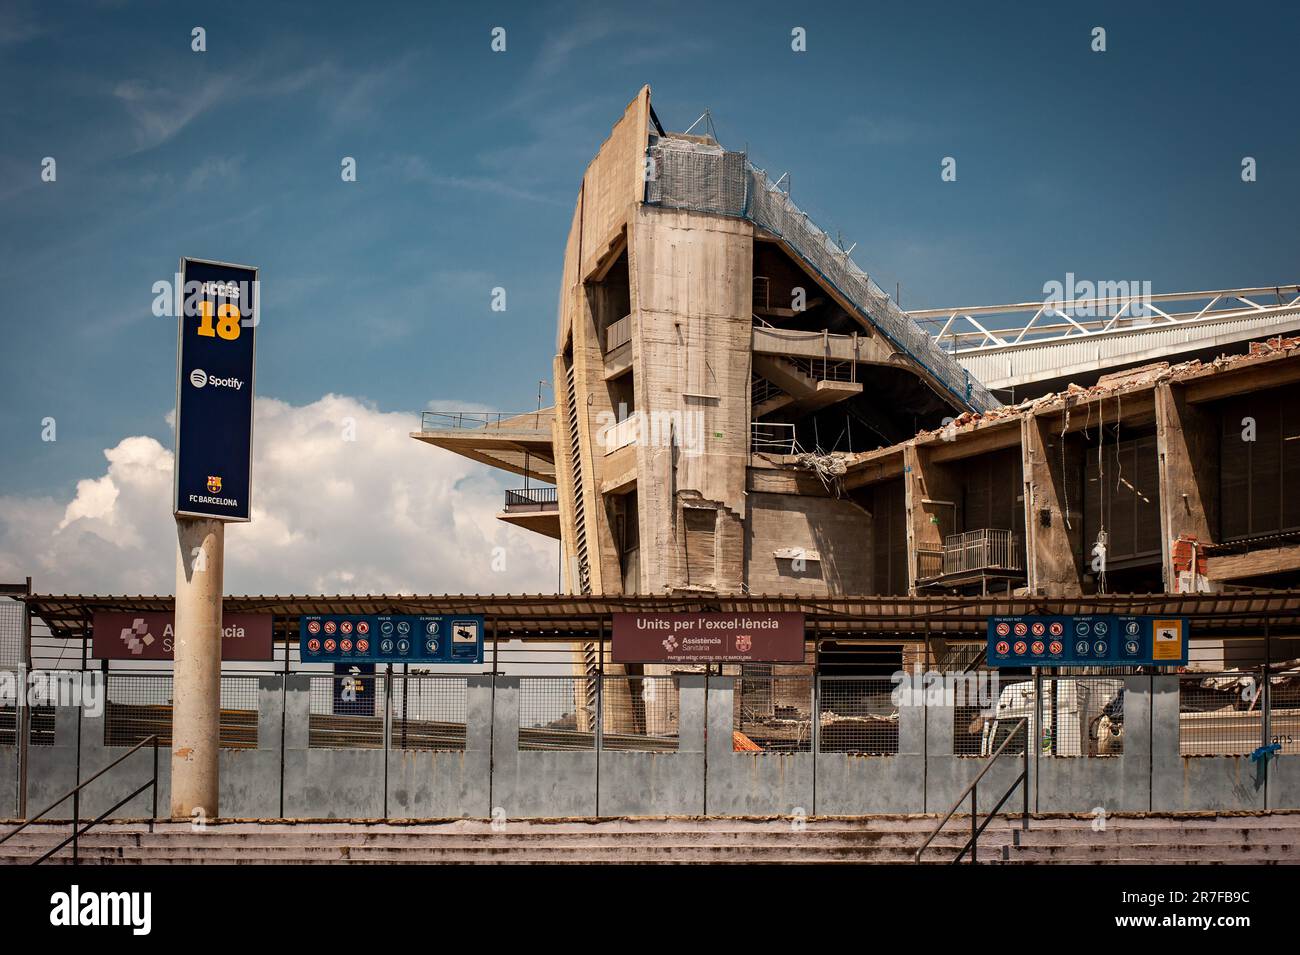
x: 708, y: 638
x: 151, y: 636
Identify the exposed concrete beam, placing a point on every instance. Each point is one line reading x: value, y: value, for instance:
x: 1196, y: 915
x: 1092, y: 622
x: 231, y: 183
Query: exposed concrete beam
x: 1265, y: 372
x: 790, y: 343
x: 1274, y: 560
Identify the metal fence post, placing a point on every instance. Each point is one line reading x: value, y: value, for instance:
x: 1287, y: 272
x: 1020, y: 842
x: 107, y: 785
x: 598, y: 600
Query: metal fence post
x: 388, y: 728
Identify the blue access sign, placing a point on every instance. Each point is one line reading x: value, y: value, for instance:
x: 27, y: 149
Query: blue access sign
x: 214, y: 390
x: 1089, y: 640
x: 391, y: 638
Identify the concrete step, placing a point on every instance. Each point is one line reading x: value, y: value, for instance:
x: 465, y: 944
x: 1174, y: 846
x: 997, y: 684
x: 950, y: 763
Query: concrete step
x: 1193, y: 838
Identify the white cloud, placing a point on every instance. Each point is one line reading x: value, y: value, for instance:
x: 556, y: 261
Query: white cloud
x: 381, y: 514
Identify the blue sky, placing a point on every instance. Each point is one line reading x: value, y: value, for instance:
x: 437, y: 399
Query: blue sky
x: 1123, y: 165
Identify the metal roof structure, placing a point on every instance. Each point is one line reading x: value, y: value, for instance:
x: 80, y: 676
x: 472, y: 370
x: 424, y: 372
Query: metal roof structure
x: 1066, y: 339
x: 560, y: 617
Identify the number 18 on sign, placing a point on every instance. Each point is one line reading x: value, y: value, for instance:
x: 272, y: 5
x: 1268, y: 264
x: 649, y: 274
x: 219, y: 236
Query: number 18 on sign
x: 214, y: 390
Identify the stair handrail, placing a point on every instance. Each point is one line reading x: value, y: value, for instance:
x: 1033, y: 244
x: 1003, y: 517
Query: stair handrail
x: 75, y: 794
x: 972, y: 790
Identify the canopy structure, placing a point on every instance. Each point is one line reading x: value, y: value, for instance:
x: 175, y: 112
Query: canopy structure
x: 561, y: 617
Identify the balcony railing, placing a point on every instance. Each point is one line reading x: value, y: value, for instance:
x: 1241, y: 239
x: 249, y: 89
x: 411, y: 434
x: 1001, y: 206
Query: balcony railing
x: 532, y: 499
x: 987, y: 549
x: 771, y: 437
x: 457, y: 420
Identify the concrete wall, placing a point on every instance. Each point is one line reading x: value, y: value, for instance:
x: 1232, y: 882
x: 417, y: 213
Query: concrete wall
x: 837, y: 529
x: 493, y: 774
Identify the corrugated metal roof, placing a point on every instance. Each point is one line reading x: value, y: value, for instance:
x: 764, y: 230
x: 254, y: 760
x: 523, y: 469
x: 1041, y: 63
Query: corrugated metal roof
x: 561, y: 616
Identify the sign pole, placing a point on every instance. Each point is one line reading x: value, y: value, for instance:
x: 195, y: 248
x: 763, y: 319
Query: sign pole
x: 212, y: 483
x: 196, y: 687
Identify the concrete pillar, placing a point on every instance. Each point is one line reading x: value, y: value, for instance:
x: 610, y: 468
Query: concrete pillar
x: 1187, y: 444
x: 196, y: 688
x: 932, y: 495
x: 1053, y: 511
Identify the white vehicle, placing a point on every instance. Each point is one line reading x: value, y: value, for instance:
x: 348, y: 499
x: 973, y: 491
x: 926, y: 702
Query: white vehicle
x: 1079, y: 717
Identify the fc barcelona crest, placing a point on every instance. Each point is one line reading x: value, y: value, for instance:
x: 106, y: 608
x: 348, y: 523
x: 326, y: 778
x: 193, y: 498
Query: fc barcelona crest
x: 214, y: 484
x: 744, y: 643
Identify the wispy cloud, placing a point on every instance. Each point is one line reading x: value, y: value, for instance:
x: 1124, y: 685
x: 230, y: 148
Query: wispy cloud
x: 418, y: 170
x: 160, y: 112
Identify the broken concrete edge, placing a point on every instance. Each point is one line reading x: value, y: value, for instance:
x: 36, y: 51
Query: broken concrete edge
x: 1118, y: 384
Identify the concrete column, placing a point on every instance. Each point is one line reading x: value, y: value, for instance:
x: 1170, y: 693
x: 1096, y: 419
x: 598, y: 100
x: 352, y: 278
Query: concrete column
x: 932, y: 494
x: 1187, y: 444
x: 196, y: 700
x: 1053, y: 511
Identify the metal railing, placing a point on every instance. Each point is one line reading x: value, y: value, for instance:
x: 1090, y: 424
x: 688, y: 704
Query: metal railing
x: 972, y: 790
x: 75, y: 795
x: 532, y: 499
x: 480, y: 420
x: 985, y: 549
x: 972, y: 552
x: 710, y: 179
x: 771, y: 437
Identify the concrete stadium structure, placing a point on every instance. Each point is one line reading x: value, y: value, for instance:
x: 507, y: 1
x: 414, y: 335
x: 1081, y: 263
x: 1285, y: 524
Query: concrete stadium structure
x: 739, y: 409
x: 745, y: 422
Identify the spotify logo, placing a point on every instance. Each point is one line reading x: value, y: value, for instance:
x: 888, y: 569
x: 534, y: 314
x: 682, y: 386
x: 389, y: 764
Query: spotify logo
x: 198, y: 378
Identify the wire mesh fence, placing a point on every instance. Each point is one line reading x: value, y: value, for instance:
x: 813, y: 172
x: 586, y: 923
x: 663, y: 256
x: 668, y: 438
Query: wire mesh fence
x: 554, y: 714
x: 429, y: 712
x: 346, y: 711
x: 1081, y: 716
x: 773, y: 708
x: 13, y: 615
x: 1220, y: 714
x: 640, y: 713
x: 40, y: 726
x: 858, y: 716
x: 8, y: 724
x: 139, y: 705
x: 1077, y: 716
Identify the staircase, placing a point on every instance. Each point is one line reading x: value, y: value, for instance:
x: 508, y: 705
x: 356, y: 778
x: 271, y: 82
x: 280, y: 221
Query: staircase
x: 1262, y: 838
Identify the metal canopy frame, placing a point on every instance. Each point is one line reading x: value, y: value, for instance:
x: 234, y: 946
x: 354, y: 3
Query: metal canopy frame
x: 960, y: 332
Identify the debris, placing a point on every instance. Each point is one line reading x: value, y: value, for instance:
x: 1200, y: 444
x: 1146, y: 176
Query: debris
x: 828, y: 467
